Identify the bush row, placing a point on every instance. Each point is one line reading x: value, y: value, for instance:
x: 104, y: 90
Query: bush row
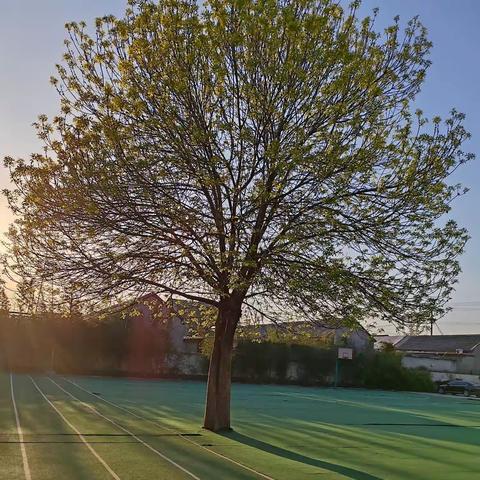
x: 283, y: 363
x: 114, y: 348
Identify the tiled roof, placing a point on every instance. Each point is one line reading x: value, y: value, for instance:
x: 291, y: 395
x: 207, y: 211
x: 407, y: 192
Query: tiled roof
x: 438, y: 343
x: 392, y: 339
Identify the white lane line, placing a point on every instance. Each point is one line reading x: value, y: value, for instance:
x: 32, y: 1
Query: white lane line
x: 154, y: 450
x: 82, y: 438
x: 153, y: 422
x: 26, y: 468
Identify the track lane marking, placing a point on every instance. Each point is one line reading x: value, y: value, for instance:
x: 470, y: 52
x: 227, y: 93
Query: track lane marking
x: 82, y: 438
x: 260, y: 474
x: 26, y: 467
x: 154, y: 450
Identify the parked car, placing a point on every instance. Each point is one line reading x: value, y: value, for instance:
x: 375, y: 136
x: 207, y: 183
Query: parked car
x: 459, y: 386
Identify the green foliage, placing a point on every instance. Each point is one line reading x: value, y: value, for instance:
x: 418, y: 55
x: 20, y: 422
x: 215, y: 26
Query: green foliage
x: 305, y: 335
x: 111, y: 346
x: 206, y: 346
x: 388, y: 347
x: 4, y: 300
x: 26, y: 295
x: 384, y: 370
x: 266, y: 152
x: 268, y: 362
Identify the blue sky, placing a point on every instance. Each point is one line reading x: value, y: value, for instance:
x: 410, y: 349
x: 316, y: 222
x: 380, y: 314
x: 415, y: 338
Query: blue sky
x: 31, y: 42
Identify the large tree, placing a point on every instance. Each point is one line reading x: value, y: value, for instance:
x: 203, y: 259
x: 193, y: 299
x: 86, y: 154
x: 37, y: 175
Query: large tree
x: 253, y: 155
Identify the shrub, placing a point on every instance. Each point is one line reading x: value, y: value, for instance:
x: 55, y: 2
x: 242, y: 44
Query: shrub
x: 385, y: 370
x: 268, y: 362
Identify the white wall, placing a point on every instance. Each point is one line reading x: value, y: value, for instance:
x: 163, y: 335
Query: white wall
x: 432, y: 364
x: 461, y: 364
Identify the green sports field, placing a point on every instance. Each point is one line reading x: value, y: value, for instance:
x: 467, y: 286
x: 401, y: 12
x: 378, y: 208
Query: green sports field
x: 103, y: 428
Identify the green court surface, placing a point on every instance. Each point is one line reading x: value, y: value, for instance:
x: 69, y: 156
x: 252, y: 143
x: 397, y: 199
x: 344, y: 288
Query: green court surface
x: 71, y: 428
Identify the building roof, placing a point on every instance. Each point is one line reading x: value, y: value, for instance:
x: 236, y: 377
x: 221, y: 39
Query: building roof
x: 300, y: 326
x: 380, y: 340
x: 439, y: 343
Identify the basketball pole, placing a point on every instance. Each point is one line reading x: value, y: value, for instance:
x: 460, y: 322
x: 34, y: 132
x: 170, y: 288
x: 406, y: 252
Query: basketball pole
x: 337, y: 371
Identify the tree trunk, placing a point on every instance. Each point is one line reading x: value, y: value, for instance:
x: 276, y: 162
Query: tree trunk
x: 217, y: 408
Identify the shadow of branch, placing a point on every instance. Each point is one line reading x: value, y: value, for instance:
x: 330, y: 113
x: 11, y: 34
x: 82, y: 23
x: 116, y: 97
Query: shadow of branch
x: 297, y: 457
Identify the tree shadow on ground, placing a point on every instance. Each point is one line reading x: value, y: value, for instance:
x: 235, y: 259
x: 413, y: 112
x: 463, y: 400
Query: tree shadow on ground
x: 297, y: 457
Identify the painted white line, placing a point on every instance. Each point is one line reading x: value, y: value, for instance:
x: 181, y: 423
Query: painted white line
x: 154, y: 450
x: 153, y: 422
x: 82, y: 438
x: 446, y: 396
x: 26, y: 468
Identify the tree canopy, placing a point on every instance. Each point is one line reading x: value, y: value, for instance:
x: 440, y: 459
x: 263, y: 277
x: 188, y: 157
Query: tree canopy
x: 265, y: 151
x: 198, y: 149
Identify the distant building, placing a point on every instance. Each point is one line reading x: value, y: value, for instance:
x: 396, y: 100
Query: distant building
x: 161, y: 341
x: 159, y: 338
x: 445, y: 356
x: 382, y: 340
x: 355, y: 337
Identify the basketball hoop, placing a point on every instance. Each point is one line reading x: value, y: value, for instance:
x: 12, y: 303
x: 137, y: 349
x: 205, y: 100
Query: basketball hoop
x: 345, y: 353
